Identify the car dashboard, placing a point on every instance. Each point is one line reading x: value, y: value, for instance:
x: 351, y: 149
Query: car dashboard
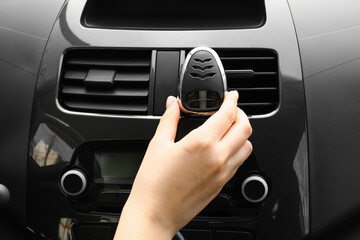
x: 84, y: 89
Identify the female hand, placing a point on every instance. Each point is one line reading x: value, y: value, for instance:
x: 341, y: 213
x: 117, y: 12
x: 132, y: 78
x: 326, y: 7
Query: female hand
x: 177, y: 180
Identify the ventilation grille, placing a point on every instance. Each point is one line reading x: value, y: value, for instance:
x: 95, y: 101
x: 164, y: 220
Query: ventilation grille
x: 106, y: 81
x: 254, y: 74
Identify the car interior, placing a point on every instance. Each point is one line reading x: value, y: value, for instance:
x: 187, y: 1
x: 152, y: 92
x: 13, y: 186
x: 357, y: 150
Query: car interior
x: 83, y: 84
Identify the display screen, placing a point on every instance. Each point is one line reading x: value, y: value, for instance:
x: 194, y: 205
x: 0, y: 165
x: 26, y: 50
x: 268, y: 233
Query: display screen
x: 116, y: 165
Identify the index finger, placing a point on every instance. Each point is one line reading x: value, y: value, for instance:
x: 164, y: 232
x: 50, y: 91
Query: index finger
x: 219, y: 123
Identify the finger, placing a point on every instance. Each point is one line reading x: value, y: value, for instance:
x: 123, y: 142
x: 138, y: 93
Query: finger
x: 219, y: 123
x: 232, y: 174
x: 238, y: 133
x: 166, y: 130
x: 237, y: 160
x: 240, y: 156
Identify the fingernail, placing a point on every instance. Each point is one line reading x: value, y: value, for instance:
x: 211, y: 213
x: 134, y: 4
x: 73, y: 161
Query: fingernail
x: 234, y: 94
x: 169, y: 101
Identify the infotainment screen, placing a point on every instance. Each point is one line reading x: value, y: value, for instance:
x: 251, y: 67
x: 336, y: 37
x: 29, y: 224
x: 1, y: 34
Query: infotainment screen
x: 119, y: 165
x: 111, y: 162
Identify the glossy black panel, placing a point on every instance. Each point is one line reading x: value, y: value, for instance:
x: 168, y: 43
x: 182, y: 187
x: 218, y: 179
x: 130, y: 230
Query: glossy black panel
x: 15, y: 122
x: 347, y: 230
x: 166, y: 79
x: 329, y: 34
x: 279, y: 138
x: 29, y: 17
x: 178, y: 15
x: 334, y: 104
x: 24, y: 29
x: 10, y: 228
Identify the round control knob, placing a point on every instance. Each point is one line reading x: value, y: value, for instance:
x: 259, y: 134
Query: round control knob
x: 178, y: 236
x: 73, y: 182
x: 4, y: 196
x: 254, y: 188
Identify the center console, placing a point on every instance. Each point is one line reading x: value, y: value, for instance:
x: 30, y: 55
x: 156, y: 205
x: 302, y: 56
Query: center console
x: 100, y: 176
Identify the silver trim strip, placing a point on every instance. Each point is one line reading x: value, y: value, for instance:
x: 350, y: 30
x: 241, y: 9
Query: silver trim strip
x: 104, y: 115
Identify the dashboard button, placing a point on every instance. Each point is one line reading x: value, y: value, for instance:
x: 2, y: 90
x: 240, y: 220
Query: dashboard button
x: 254, y: 188
x: 73, y: 182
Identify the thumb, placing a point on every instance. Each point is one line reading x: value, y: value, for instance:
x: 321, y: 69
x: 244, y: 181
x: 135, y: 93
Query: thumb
x: 166, y: 130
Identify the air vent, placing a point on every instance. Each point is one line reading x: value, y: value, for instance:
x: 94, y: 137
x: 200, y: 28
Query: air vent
x: 254, y: 73
x: 106, y: 81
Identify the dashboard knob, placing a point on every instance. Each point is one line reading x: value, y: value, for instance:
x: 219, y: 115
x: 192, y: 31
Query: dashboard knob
x: 254, y: 188
x: 4, y: 196
x: 178, y: 236
x: 73, y: 182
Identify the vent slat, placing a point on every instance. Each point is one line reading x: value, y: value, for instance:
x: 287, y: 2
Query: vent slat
x: 265, y: 73
x: 246, y: 73
x: 254, y: 73
x: 106, y: 81
x: 240, y: 73
x: 247, y: 58
x: 111, y: 63
x: 76, y: 75
x: 254, y: 89
x: 76, y: 90
x: 130, y: 77
x: 257, y: 104
x: 108, y: 107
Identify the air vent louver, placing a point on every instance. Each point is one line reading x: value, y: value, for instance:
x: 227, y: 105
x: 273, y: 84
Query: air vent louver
x: 106, y: 81
x: 254, y: 73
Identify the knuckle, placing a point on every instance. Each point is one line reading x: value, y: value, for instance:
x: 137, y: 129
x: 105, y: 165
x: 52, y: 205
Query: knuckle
x: 230, y: 116
x: 217, y: 164
x: 222, y: 179
x: 245, y: 121
x: 241, y: 113
x: 222, y: 158
x: 249, y: 146
x: 200, y: 142
x: 248, y: 129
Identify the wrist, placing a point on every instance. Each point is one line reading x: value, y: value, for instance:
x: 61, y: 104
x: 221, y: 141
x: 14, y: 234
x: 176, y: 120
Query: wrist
x: 137, y: 222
